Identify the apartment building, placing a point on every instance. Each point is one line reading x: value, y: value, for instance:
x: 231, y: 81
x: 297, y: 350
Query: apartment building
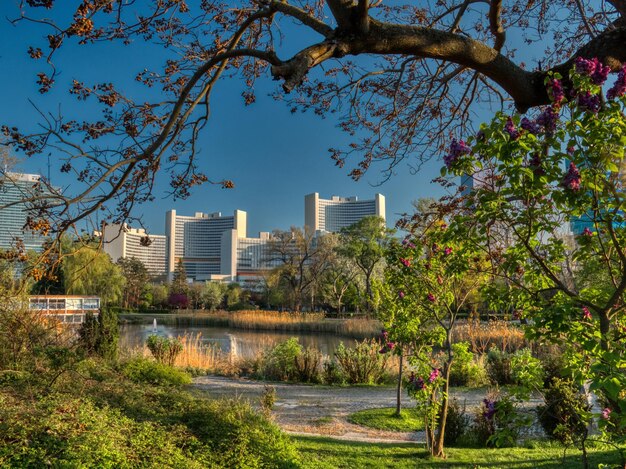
x: 123, y: 241
x: 331, y: 215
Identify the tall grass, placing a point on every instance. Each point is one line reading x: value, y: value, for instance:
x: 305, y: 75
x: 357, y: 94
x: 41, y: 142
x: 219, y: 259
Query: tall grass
x: 482, y: 336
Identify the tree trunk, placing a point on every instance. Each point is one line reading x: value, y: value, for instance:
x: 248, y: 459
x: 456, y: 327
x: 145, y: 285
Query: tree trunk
x: 399, y: 390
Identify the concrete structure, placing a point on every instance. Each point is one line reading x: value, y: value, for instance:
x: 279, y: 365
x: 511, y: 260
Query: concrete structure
x: 69, y: 309
x: 197, y: 240
x: 245, y: 260
x: 331, y: 215
x: 14, y: 188
x: 122, y: 241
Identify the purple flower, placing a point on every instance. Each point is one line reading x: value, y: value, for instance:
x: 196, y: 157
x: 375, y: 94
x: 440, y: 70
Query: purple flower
x: 548, y: 119
x: 530, y: 126
x: 556, y: 90
x: 572, y: 178
x: 600, y: 74
x: 606, y: 413
x: 431, y: 298
x: 535, y: 164
x: 408, y: 244
x: 587, y: 232
x: 435, y: 247
x: 390, y: 345
x: 570, y: 150
x: 490, y: 409
x: 590, y: 102
x: 405, y: 262
x: 434, y: 375
x: 586, y: 313
x: 401, y: 294
x: 384, y: 335
x: 419, y: 384
x: 511, y: 130
x: 619, y: 87
x: 447, y: 251
x: 593, y: 68
x: 585, y: 66
x: 456, y: 150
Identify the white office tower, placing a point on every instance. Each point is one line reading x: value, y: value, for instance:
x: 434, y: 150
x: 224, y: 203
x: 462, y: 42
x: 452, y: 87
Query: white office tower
x: 122, y: 241
x: 331, y: 215
x: 14, y: 188
x: 197, y: 240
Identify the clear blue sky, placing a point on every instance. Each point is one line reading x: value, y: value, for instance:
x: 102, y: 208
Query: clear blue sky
x: 274, y: 157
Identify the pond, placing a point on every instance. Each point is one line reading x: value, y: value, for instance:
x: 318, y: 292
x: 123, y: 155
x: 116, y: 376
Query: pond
x: 236, y: 343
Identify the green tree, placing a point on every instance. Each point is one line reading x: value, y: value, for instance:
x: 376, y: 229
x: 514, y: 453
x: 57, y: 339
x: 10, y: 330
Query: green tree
x: 364, y: 244
x: 89, y: 271
x: 179, y: 283
x: 213, y: 295
x: 136, y: 276
x: 99, y: 334
x: 537, y: 176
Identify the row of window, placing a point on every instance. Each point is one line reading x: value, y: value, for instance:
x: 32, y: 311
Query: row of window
x: 69, y: 304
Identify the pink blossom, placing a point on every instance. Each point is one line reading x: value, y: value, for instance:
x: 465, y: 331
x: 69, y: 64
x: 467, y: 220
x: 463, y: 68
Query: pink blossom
x: 587, y: 232
x: 586, y: 313
x: 572, y: 178
x: 405, y: 262
x: 401, y: 294
x: 606, y: 413
x: 434, y: 375
x: 447, y: 251
x: 431, y: 298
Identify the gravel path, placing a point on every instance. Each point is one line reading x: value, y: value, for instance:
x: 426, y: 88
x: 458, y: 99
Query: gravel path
x: 323, y: 410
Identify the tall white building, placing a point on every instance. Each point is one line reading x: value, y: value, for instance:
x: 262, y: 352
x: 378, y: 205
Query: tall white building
x: 333, y: 214
x: 14, y: 188
x: 122, y: 241
x: 197, y: 240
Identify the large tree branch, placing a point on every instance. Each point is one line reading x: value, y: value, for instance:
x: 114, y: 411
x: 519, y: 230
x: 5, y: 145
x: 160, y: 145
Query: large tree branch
x: 526, y: 88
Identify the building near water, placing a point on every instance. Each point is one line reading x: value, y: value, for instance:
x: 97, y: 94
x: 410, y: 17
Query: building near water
x: 69, y: 309
x: 331, y: 215
x: 122, y: 241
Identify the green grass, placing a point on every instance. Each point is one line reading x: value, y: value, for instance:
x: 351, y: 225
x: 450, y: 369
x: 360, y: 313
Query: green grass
x: 385, y: 419
x: 317, y: 453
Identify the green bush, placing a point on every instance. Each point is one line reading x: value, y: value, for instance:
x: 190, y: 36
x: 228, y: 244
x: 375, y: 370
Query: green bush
x: 308, y: 364
x: 141, y: 370
x: 565, y: 414
x: 499, y: 367
x: 362, y: 364
x: 466, y: 370
x: 499, y: 422
x: 457, y: 423
x: 279, y: 363
x: 164, y: 349
x: 526, y: 370
x: 333, y: 373
x: 99, y: 335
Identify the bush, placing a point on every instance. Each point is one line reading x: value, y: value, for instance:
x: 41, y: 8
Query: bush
x: 499, y: 367
x: 564, y: 416
x: 499, y: 422
x: 457, y: 422
x: 279, y: 363
x: 362, y: 364
x: 308, y: 365
x: 526, y: 370
x: 466, y: 371
x: 146, y: 371
x: 99, y: 335
x: 333, y: 373
x: 164, y: 349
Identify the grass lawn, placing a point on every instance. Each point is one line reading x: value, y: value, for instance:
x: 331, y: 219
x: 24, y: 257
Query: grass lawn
x: 319, y: 452
x: 385, y: 419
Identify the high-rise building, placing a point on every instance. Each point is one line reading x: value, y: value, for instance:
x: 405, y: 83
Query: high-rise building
x: 331, y: 215
x: 197, y: 240
x: 122, y: 241
x: 14, y: 189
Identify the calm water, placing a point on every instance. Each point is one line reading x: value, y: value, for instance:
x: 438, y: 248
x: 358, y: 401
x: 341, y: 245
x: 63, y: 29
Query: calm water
x: 235, y: 342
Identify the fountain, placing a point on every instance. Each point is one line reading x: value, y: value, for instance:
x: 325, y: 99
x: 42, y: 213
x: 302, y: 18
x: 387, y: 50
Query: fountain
x: 154, y: 326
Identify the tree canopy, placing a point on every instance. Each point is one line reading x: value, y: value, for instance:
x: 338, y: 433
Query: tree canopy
x: 401, y: 78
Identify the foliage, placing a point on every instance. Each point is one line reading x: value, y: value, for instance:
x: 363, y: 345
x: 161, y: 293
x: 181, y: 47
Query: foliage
x: 179, y: 285
x: 466, y: 370
x: 565, y: 414
x: 361, y: 364
x: 333, y: 373
x: 87, y: 270
x: 500, y: 422
x: 526, y: 370
x: 457, y: 423
x: 279, y: 363
x: 164, y: 349
x: 499, y: 367
x: 99, y: 335
x: 535, y: 176
x: 385, y: 418
x: 141, y: 370
x: 136, y: 275
x: 213, y: 295
x: 308, y: 365
x: 267, y: 400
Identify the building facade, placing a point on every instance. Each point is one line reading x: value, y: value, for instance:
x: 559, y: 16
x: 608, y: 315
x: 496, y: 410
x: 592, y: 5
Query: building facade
x: 69, y: 309
x: 331, y: 215
x: 122, y: 241
x: 14, y: 188
x: 197, y: 241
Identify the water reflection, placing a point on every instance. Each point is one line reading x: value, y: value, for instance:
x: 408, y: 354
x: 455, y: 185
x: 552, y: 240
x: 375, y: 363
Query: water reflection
x: 236, y: 343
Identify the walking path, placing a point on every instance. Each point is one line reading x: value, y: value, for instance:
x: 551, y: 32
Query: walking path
x: 323, y: 410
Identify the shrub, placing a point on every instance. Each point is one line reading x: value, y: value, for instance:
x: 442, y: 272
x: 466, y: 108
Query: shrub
x: 499, y: 422
x: 526, y: 370
x: 466, y: 370
x: 141, y: 370
x: 499, y: 367
x: 362, y: 364
x: 564, y: 416
x: 457, y: 423
x: 267, y: 400
x: 164, y: 349
x: 333, y: 374
x: 99, y: 335
x: 308, y: 364
x: 279, y: 363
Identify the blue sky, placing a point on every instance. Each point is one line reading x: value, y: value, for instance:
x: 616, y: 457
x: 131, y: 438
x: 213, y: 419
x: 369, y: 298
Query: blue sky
x: 274, y: 157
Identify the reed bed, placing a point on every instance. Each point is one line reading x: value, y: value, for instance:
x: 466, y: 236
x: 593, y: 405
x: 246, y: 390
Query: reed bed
x: 485, y: 335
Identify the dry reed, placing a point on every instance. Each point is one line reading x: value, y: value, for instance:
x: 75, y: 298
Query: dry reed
x: 483, y: 336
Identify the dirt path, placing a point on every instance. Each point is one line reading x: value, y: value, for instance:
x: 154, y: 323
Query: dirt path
x: 323, y: 410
